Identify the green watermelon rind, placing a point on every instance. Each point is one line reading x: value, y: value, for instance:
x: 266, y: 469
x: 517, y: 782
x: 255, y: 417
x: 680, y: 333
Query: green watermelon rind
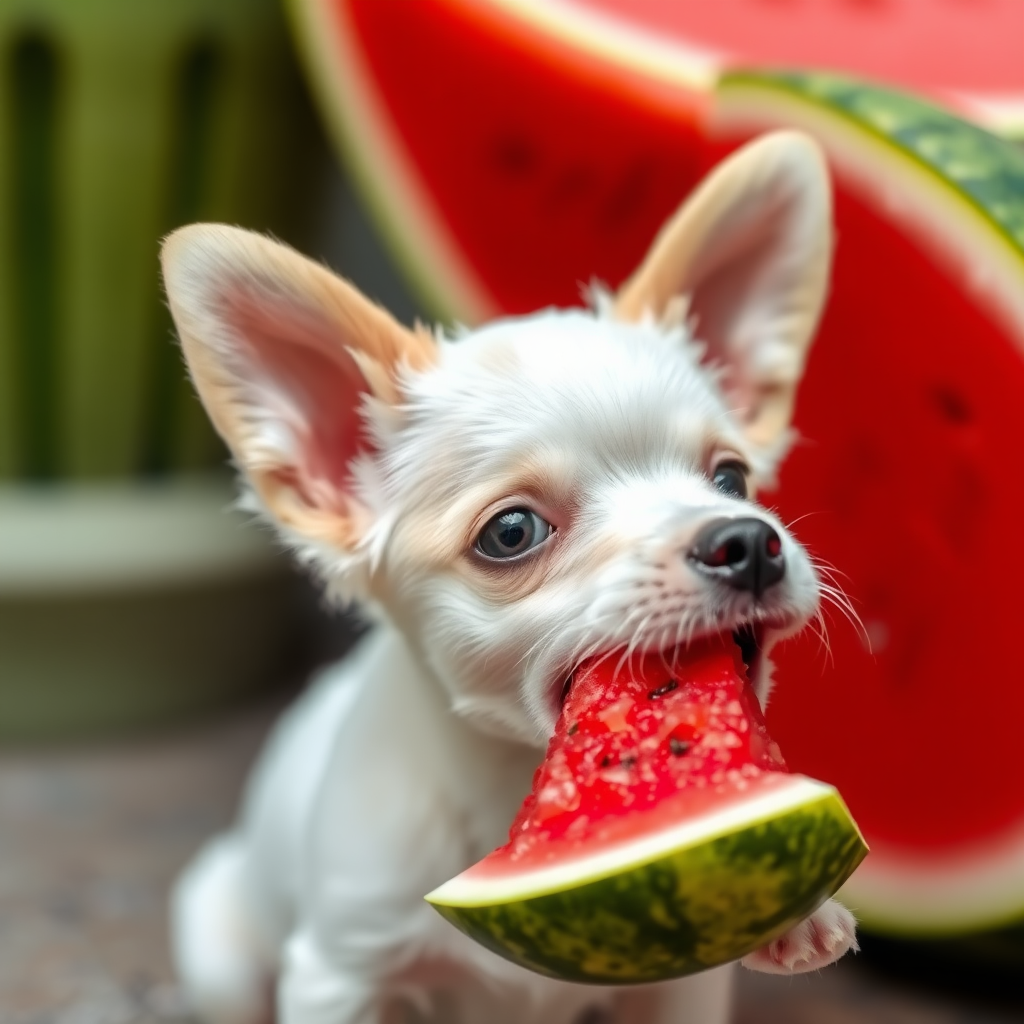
x: 702, y: 904
x: 981, y: 169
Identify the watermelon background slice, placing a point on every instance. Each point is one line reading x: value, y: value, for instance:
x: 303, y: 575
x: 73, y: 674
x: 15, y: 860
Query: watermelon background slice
x: 663, y: 835
x: 510, y: 159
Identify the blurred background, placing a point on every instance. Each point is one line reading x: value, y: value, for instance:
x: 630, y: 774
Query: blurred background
x: 459, y: 159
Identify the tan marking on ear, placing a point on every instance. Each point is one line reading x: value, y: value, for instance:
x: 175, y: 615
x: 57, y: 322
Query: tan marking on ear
x: 223, y: 282
x: 676, y: 313
x: 342, y: 526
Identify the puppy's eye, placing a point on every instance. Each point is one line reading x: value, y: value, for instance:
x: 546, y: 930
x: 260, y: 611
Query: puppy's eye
x: 731, y: 478
x: 513, y: 532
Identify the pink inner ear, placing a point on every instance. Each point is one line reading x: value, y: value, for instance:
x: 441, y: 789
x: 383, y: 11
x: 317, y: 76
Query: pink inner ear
x: 296, y: 372
x: 733, y: 288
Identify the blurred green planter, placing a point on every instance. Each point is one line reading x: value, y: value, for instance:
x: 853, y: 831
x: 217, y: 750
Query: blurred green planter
x: 132, y: 604
x: 120, y: 120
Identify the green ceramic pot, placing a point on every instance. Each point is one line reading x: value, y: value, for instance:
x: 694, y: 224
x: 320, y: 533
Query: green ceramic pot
x: 127, y: 595
x: 133, y: 605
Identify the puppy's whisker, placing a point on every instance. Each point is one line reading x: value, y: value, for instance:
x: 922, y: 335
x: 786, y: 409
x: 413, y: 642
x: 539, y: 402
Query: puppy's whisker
x: 853, y: 619
x: 837, y: 598
x: 833, y: 594
x: 557, y: 629
x: 635, y: 640
x: 820, y: 629
x: 610, y: 649
x: 800, y: 519
x: 828, y: 570
x: 665, y: 645
x: 666, y: 632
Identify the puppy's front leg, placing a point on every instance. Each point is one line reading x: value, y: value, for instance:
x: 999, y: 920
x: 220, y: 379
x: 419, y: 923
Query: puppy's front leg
x: 314, y: 990
x: 816, y: 942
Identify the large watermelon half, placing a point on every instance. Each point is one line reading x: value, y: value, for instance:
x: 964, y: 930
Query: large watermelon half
x: 664, y: 834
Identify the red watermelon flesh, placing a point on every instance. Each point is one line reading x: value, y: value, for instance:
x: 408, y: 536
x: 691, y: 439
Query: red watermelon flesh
x: 644, y: 742
x: 499, y: 170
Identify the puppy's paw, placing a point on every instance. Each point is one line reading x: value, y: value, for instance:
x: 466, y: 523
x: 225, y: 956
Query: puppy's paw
x: 817, y: 942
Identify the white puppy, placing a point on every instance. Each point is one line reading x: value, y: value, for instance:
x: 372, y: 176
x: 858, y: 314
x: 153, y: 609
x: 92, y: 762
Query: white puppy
x: 506, y: 502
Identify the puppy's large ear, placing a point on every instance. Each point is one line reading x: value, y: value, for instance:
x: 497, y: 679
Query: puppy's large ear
x: 283, y: 353
x: 748, y: 255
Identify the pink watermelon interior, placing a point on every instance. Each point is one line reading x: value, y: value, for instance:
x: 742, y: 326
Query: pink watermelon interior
x: 643, y: 743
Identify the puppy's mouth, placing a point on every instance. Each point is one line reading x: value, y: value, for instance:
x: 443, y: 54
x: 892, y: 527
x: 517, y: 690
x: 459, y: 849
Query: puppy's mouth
x: 749, y: 640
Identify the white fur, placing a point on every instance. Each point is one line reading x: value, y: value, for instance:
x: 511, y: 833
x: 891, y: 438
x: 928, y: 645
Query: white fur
x: 407, y: 762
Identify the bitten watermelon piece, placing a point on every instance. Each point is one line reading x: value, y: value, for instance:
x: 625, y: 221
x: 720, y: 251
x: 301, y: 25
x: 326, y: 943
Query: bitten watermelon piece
x: 663, y: 835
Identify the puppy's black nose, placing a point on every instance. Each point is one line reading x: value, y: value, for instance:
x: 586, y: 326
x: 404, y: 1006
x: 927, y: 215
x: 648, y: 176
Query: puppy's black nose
x: 744, y: 553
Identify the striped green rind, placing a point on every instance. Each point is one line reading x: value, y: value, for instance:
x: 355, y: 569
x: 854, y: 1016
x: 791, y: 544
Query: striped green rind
x: 695, y: 907
x: 985, y: 169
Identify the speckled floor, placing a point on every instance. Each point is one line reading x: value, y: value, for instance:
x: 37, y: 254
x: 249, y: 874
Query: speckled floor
x: 90, y: 839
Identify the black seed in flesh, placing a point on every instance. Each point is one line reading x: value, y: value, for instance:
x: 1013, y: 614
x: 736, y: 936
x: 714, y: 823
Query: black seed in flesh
x: 573, y: 729
x: 662, y: 690
x: 628, y: 762
x: 678, y: 747
x: 605, y: 761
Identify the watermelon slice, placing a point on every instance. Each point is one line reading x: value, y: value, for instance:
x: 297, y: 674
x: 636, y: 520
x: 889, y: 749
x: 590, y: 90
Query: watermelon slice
x: 664, y: 834
x: 511, y: 149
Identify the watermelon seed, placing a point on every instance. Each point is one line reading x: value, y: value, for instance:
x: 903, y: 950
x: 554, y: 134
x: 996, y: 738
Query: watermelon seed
x: 628, y: 762
x: 662, y: 690
x: 677, y: 746
x: 605, y: 761
x: 573, y: 729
